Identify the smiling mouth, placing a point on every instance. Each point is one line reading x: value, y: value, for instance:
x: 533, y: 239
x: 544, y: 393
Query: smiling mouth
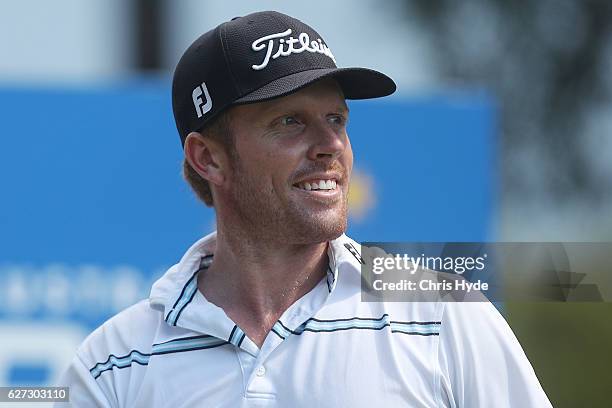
x: 318, y: 185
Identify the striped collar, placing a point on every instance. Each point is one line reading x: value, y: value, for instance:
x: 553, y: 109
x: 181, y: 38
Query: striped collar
x: 176, y: 294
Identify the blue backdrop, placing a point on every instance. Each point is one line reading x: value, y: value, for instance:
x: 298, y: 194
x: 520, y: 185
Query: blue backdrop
x: 93, y: 207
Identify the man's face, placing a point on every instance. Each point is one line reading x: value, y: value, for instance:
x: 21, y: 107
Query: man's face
x: 290, y: 180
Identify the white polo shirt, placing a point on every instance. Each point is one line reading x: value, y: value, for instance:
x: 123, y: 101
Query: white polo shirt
x: 328, y: 349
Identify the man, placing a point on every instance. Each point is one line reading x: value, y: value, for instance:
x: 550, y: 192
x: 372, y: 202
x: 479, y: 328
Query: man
x: 267, y: 310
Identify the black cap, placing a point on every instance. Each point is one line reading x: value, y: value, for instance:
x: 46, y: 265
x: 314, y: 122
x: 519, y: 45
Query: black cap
x: 255, y: 58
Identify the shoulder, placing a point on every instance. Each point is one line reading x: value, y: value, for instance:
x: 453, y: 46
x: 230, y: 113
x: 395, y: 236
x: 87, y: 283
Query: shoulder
x: 478, y: 347
x: 478, y: 329
x: 128, y: 335
x: 96, y: 376
x: 478, y: 319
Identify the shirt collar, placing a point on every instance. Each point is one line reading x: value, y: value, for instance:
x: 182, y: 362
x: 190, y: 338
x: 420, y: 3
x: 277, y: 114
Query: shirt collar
x: 177, y: 288
x: 167, y: 289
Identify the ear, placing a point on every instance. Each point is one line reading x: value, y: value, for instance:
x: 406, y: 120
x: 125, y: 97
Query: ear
x: 207, y: 157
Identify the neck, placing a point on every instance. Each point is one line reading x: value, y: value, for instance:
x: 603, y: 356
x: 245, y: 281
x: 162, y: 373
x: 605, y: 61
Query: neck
x: 254, y: 282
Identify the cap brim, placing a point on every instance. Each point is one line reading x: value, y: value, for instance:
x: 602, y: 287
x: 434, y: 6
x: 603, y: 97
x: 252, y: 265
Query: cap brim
x: 356, y: 83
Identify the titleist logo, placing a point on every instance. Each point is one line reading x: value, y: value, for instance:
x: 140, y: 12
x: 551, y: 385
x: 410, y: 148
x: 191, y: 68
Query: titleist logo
x: 287, y: 46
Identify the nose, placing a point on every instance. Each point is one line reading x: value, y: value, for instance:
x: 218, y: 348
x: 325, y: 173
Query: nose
x: 328, y: 143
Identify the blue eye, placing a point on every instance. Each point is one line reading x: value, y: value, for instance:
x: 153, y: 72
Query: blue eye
x: 337, y: 119
x: 288, y: 121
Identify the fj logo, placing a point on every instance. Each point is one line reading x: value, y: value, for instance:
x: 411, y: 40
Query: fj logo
x: 201, y: 106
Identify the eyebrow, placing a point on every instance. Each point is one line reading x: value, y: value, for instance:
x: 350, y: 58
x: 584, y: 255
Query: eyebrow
x: 279, y: 108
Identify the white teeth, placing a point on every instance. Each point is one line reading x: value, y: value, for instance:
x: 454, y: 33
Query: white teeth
x: 319, y: 185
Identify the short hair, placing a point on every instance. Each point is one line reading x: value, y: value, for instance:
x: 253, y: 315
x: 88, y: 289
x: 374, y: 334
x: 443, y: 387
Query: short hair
x: 218, y: 129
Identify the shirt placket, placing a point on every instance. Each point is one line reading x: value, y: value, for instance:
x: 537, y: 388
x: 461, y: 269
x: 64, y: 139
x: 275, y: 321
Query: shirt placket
x: 257, y: 373
x: 204, y: 317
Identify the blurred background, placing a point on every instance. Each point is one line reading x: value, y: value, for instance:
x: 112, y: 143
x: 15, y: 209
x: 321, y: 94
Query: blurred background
x: 501, y: 130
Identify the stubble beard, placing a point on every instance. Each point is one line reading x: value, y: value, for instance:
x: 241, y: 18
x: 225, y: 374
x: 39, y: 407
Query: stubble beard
x: 265, y: 218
